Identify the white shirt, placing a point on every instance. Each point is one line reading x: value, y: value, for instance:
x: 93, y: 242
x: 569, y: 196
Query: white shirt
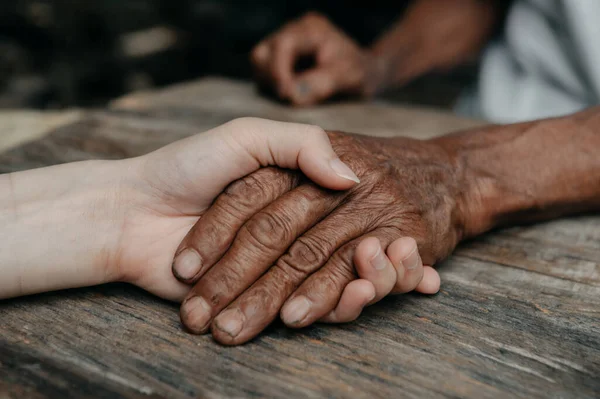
x: 547, y: 64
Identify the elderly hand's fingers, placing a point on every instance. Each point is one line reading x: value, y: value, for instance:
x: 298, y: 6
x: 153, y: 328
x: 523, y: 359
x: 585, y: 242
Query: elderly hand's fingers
x: 405, y: 257
x: 258, y: 306
x: 321, y: 292
x: 212, y: 235
x: 257, y: 143
x: 253, y: 143
x: 257, y: 246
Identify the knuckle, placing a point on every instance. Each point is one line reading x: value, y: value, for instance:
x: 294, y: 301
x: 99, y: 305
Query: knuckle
x: 268, y: 229
x: 216, y: 235
x: 235, y: 201
x: 342, y: 259
x: 260, y: 187
x: 336, y: 278
x: 245, y: 192
x: 308, y: 200
x: 304, y: 256
x: 241, y: 188
x: 275, y: 289
x: 217, y: 288
x: 323, y: 289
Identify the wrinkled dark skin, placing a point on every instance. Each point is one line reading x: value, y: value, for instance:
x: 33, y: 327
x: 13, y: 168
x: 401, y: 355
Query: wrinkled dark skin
x: 272, y: 236
x: 408, y: 188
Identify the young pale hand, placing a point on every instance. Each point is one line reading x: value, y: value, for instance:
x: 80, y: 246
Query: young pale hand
x: 94, y: 222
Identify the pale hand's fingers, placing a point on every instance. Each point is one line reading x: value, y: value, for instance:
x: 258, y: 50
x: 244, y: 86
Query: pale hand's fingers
x: 404, y: 255
x: 430, y: 283
x: 356, y: 295
x: 372, y: 264
x: 361, y: 293
x: 322, y: 290
x: 383, y: 278
x: 373, y: 267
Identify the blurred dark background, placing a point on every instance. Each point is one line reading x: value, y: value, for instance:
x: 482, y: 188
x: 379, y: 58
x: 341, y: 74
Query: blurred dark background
x: 61, y: 53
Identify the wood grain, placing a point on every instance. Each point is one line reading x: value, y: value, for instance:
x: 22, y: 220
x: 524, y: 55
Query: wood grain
x: 236, y: 99
x: 518, y: 314
x: 18, y: 127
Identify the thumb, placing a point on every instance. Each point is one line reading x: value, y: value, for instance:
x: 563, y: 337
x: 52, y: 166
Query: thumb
x: 260, y: 142
x: 197, y: 169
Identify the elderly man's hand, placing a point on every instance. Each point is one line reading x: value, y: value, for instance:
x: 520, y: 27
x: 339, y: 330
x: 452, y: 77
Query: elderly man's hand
x: 341, y: 65
x: 274, y: 238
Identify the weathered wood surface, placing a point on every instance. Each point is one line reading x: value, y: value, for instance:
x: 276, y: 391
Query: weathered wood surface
x: 18, y: 127
x: 518, y: 314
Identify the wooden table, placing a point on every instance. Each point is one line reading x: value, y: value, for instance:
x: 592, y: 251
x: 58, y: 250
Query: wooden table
x: 518, y: 314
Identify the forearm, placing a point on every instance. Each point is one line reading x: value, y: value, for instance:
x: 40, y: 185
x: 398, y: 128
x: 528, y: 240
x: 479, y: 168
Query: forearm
x: 528, y: 172
x: 53, y: 228
x: 433, y: 34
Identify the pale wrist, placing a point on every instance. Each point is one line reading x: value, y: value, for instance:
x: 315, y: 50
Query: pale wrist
x: 59, y: 227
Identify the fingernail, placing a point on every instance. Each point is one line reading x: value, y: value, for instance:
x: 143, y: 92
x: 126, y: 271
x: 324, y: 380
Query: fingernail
x: 187, y: 264
x: 379, y: 261
x: 342, y: 170
x: 296, y: 310
x: 412, y: 261
x: 196, y: 314
x: 230, y: 322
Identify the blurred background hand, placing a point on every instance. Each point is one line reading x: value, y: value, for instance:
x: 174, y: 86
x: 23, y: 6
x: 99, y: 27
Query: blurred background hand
x: 309, y: 60
x: 337, y: 63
